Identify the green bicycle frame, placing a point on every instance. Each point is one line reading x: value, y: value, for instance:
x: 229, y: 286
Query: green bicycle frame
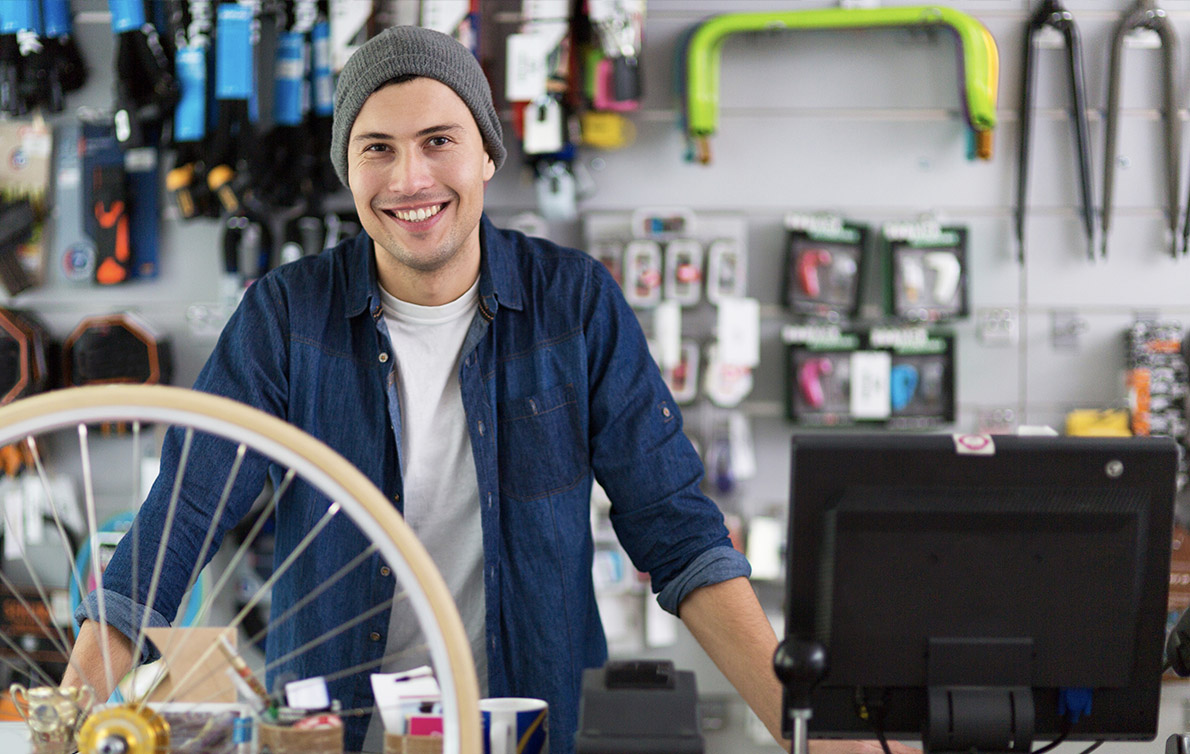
x: 978, y: 61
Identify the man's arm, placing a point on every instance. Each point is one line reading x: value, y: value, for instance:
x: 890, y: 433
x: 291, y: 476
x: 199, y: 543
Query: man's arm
x: 87, y: 666
x: 729, y: 623
x: 727, y: 620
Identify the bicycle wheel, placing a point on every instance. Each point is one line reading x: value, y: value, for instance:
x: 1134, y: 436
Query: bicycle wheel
x: 58, y: 426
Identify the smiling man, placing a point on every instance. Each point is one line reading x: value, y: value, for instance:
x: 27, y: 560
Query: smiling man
x: 483, y: 380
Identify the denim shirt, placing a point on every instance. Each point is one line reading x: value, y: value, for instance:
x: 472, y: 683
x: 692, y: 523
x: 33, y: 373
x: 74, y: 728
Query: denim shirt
x: 558, y: 389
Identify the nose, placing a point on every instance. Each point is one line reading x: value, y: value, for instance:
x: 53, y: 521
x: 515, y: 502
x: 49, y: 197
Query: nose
x: 410, y: 174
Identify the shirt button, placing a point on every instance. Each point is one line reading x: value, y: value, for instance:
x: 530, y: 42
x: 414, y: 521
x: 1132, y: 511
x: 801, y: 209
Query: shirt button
x: 481, y: 427
x: 374, y: 636
x: 665, y: 412
x: 397, y: 498
x: 489, y: 500
x: 383, y: 357
x: 384, y: 571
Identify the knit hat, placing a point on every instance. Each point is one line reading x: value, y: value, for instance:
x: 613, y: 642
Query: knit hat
x: 417, y: 51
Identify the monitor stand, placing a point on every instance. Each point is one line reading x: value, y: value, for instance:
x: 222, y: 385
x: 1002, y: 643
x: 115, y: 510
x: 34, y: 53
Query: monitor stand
x: 800, y: 665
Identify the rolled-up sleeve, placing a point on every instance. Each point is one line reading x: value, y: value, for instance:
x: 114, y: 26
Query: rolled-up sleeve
x: 645, y: 462
x: 124, y: 615
x: 711, y: 567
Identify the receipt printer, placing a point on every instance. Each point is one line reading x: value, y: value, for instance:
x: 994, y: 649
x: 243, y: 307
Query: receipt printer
x: 638, y: 707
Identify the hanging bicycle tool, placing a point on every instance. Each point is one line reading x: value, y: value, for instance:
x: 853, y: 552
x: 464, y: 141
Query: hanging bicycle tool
x: 146, y: 89
x: 25, y: 67
x: 289, y: 167
x: 537, y: 86
x: 1144, y: 15
x: 978, y: 60
x: 187, y: 180
x: 617, y: 78
x: 39, y: 85
x: 1050, y: 14
x: 69, y: 68
x: 233, y: 141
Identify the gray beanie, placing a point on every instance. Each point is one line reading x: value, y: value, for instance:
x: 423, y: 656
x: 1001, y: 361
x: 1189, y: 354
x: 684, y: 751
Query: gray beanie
x: 412, y: 50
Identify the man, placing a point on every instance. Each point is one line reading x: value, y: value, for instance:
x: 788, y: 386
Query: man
x: 481, y: 379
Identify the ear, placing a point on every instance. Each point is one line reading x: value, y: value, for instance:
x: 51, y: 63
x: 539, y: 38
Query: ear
x: 489, y: 167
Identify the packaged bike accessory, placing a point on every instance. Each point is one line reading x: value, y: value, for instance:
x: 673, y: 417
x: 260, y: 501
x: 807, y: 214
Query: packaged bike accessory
x: 819, y: 374
x: 824, y: 262
x: 115, y: 348
x: 611, y: 254
x: 683, y: 271
x: 927, y: 271
x: 642, y: 273
x: 921, y: 376
x: 725, y: 384
x: 727, y: 270
x: 682, y: 379
x: 24, y: 360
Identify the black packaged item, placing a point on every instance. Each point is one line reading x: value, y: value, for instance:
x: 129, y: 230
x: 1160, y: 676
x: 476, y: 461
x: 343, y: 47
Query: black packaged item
x: 927, y: 271
x: 638, y: 707
x: 24, y: 359
x: 921, y: 376
x: 116, y: 348
x: 819, y: 382
x: 823, y: 266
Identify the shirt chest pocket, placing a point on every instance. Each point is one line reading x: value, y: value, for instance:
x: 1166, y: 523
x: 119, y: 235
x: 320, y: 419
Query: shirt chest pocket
x: 542, y: 447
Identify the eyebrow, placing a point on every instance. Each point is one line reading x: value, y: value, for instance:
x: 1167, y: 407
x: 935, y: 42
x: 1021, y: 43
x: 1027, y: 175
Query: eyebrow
x: 380, y: 135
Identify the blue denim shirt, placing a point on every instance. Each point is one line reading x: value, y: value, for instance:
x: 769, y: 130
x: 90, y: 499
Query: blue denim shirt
x: 558, y: 388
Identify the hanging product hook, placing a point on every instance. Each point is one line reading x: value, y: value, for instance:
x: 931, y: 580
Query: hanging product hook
x: 1051, y: 13
x: 979, y: 64
x: 1145, y: 14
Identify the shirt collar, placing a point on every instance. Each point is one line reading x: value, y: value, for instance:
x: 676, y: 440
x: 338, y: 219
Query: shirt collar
x: 499, y: 285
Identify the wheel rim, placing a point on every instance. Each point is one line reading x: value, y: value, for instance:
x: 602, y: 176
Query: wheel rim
x: 77, y: 408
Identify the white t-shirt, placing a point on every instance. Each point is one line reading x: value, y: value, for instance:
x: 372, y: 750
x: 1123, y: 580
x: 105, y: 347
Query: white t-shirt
x: 441, y: 496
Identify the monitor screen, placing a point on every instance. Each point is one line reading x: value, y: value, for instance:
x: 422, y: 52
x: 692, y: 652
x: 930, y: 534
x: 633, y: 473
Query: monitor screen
x: 957, y: 580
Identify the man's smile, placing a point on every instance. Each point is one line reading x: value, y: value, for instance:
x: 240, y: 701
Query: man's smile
x: 416, y: 215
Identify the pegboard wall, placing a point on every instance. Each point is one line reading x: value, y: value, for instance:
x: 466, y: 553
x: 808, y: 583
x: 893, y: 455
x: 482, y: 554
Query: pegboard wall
x: 865, y: 124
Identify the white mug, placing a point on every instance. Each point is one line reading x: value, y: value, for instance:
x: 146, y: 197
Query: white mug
x: 513, y: 725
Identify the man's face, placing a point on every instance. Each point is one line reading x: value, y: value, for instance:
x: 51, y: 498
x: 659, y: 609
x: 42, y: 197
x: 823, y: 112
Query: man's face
x: 416, y: 166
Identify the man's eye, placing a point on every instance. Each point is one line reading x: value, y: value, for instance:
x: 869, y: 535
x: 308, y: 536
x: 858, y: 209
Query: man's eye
x: 439, y: 141
x: 375, y: 147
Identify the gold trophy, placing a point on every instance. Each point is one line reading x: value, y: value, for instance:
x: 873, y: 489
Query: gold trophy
x: 52, y: 714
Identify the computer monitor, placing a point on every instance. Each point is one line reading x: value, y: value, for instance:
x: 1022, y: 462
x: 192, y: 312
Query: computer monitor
x: 961, y: 585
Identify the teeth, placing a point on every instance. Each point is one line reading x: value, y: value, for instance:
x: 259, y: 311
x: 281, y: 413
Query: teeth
x: 417, y: 215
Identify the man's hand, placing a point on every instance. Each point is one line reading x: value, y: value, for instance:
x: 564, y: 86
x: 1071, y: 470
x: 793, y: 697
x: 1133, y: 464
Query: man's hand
x: 87, y: 665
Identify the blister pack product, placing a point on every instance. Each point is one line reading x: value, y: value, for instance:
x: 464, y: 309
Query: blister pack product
x: 819, y: 374
x: 926, y: 271
x: 727, y: 270
x: 682, y: 378
x: 824, y: 263
x: 642, y: 273
x: 684, y: 261
x: 921, y: 376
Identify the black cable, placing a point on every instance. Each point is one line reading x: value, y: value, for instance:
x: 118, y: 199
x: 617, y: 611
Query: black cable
x: 1091, y: 748
x: 883, y: 741
x: 874, y: 711
x: 1062, y: 735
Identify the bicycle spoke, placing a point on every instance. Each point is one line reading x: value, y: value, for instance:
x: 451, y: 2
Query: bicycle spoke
x: 216, y: 517
x: 63, y: 539
x: 294, y: 609
x: 93, y: 528
x: 32, y: 614
x: 155, y: 578
x: 261, y: 443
